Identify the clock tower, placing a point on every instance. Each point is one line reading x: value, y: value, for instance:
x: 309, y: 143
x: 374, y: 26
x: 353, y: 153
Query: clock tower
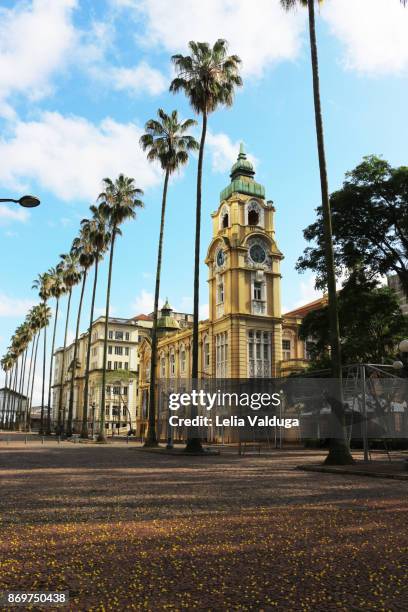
x: 244, y: 275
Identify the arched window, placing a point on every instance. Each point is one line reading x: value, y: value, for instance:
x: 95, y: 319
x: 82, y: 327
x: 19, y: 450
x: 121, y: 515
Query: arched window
x: 254, y: 214
x: 206, y: 353
x: 253, y: 217
x: 162, y: 365
x: 224, y: 218
x: 172, y: 363
x: 182, y: 359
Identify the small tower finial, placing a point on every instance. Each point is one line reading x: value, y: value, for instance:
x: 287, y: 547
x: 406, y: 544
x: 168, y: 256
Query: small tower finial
x: 242, y: 154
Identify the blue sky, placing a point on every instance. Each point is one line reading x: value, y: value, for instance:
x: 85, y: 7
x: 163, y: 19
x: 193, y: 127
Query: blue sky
x: 79, y: 78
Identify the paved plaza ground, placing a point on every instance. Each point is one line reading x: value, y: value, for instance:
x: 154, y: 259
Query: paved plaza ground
x: 123, y: 529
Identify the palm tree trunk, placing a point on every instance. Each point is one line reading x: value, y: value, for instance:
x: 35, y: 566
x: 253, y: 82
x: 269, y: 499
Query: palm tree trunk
x: 71, y: 392
x: 84, y: 431
x: 339, y: 452
x: 194, y: 443
x: 51, y: 366
x: 61, y: 418
x: 102, y: 434
x: 41, y: 430
x: 151, y: 438
x: 9, y: 400
x: 28, y: 381
x: 14, y: 406
x: 21, y: 389
x: 32, y: 381
x: 3, y: 406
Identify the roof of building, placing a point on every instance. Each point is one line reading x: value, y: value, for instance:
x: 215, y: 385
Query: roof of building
x: 142, y: 317
x: 302, y: 311
x: 12, y: 392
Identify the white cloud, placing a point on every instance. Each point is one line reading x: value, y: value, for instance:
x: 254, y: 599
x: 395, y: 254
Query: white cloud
x: 9, y: 213
x: 307, y: 293
x: 139, y: 79
x: 143, y: 303
x: 373, y: 32
x: 69, y: 156
x: 14, y: 307
x: 262, y: 34
x: 224, y: 152
x: 35, y: 40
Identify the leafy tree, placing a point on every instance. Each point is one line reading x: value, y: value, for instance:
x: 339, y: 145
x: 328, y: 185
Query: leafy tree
x: 371, y: 324
x: 208, y: 78
x: 118, y: 202
x: 370, y: 224
x: 165, y: 141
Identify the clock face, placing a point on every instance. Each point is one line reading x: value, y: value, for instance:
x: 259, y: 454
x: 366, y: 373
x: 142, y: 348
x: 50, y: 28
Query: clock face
x: 220, y: 258
x: 257, y: 253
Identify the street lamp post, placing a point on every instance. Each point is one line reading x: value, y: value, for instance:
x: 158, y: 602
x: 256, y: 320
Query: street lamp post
x: 26, y: 201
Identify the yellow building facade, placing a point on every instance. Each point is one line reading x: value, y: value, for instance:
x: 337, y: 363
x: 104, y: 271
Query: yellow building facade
x: 246, y: 335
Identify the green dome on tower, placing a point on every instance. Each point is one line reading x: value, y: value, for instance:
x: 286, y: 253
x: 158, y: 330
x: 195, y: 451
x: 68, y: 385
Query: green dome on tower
x: 242, y: 178
x: 242, y: 167
x: 165, y: 322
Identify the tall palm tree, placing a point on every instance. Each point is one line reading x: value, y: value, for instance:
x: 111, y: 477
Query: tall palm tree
x: 118, y: 202
x: 83, y: 249
x: 339, y: 452
x: 43, y: 284
x: 23, y: 336
x: 99, y: 237
x: 7, y: 364
x: 57, y: 290
x: 71, y: 277
x: 165, y: 141
x: 35, y: 320
x: 208, y: 78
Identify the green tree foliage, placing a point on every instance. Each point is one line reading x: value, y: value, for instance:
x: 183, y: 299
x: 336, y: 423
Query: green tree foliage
x: 371, y: 324
x: 370, y: 224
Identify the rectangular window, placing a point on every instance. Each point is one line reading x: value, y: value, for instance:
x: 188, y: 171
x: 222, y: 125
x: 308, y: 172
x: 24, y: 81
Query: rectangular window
x: 127, y: 351
x: 126, y: 365
x: 108, y: 389
x: 107, y: 411
x: 259, y: 354
x: 109, y: 365
x: 163, y: 366
x: 118, y: 350
x: 206, y: 354
x: 110, y: 334
x: 183, y: 361
x: 220, y: 293
x: 116, y: 390
x: 116, y: 365
x: 221, y: 354
x: 125, y: 390
x: 127, y: 336
x: 257, y: 291
x: 110, y: 347
x: 286, y: 349
x: 172, y: 364
x: 118, y: 335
